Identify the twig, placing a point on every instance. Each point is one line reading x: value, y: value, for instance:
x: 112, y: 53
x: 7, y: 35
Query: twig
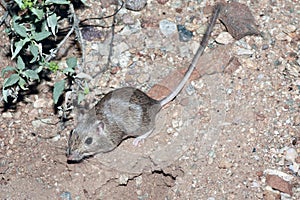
x: 100, y: 18
x: 80, y: 40
x: 54, y: 51
x: 3, y: 18
x: 111, y: 44
x: 4, y: 5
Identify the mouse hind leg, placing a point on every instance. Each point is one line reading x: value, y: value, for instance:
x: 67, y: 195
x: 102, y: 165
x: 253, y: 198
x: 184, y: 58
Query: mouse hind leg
x: 141, y: 138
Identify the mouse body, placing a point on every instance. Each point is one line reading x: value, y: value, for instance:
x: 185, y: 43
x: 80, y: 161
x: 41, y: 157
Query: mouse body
x: 122, y: 113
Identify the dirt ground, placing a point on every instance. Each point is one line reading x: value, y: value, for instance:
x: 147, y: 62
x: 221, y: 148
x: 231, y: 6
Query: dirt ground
x: 228, y: 135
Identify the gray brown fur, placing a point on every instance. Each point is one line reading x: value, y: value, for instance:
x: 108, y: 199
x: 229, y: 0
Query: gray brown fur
x: 122, y: 113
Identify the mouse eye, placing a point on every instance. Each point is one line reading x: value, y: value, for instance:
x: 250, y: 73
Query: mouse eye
x: 88, y: 140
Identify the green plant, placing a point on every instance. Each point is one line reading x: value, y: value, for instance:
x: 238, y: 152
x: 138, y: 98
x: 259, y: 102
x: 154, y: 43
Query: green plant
x: 33, y: 22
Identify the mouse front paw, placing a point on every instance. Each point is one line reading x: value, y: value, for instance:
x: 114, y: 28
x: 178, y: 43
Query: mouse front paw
x: 141, y: 138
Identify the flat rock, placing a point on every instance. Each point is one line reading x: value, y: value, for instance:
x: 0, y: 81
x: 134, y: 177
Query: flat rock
x: 279, y: 184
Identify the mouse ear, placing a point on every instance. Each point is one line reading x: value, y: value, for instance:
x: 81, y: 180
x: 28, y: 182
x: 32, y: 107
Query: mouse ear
x: 100, y: 128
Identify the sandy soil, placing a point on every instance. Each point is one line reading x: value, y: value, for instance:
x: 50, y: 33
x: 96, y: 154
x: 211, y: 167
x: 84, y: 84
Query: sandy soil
x: 228, y: 135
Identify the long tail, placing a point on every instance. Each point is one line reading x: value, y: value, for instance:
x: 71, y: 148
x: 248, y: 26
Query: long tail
x: 200, y: 51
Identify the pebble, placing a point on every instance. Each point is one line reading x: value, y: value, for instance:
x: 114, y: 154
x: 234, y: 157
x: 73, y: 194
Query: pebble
x: 131, y: 29
x: 225, y: 164
x: 120, y: 48
x: 184, y: 34
x: 265, y: 46
x: 283, y: 37
x: 66, y: 196
x: 162, y: 1
x: 282, y: 175
x: 167, y: 27
x: 135, y: 5
x: 128, y: 19
x: 41, y: 122
x: 290, y: 28
x: 279, y: 184
x: 143, y: 78
x: 291, y: 155
x: 295, y: 168
x: 242, y: 51
x: 190, y: 89
x: 7, y: 115
x: 40, y: 103
x: 271, y: 195
x: 184, y: 51
x: 297, y: 120
x: 224, y: 38
x: 123, y: 179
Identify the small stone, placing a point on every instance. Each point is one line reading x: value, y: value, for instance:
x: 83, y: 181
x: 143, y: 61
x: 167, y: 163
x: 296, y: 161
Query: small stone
x: 40, y: 103
x: 17, y: 115
x: 128, y: 19
x: 190, y: 89
x: 291, y: 155
x: 270, y: 195
x: 297, y: 120
x: 224, y: 38
x: 265, y: 46
x: 167, y: 27
x: 143, y: 78
x: 290, y: 28
x: 124, y: 59
x: 135, y: 5
x: 123, y: 179
x: 279, y: 184
x: 7, y: 115
x: 162, y: 1
x: 242, y: 51
x: 284, y: 176
x: 225, y: 164
x: 294, y: 167
x: 131, y: 29
x: 283, y: 37
x: 120, y: 48
x: 37, y: 123
x: 66, y: 196
x: 184, y: 34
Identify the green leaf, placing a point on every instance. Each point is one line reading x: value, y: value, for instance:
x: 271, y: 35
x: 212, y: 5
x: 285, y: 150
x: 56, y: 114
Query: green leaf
x: 86, y: 89
x: 35, y: 52
x: 20, y: 63
x: 39, y: 69
x: 72, y: 62
x: 22, y: 83
x: 11, y: 80
x: 41, y: 35
x: 20, y: 29
x: 37, y: 12
x: 20, y: 3
x: 52, y: 23
x: 30, y: 74
x: 5, y: 94
x: 68, y: 70
x: 58, y: 90
x: 7, y: 69
x: 84, y: 2
x: 48, y: 2
x: 80, y: 97
x: 19, y: 45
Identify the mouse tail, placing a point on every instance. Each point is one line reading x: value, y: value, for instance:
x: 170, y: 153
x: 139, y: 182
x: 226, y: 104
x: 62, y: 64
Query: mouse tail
x: 198, y: 54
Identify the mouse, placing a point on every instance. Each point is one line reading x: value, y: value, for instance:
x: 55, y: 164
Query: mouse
x: 124, y: 112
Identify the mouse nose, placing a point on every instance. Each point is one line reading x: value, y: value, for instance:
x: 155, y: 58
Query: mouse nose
x: 74, y: 156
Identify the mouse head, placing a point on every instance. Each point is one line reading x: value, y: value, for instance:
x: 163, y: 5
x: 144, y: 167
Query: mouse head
x: 87, y: 139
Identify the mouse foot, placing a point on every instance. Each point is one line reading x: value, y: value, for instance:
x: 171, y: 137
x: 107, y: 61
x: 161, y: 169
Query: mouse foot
x: 141, y: 138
